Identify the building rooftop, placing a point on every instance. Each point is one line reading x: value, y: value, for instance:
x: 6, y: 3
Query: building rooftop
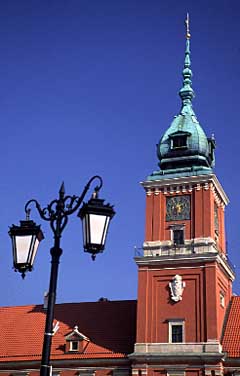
x: 109, y: 326
x: 231, y: 335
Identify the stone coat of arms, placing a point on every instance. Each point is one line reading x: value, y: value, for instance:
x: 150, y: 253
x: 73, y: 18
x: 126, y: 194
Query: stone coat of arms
x: 176, y: 287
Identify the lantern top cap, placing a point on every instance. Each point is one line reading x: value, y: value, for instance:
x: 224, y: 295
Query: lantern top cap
x: 26, y: 227
x: 96, y: 206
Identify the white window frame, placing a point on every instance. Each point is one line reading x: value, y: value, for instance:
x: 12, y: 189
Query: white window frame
x: 71, y: 346
x: 180, y: 227
x: 176, y: 322
x: 222, y: 299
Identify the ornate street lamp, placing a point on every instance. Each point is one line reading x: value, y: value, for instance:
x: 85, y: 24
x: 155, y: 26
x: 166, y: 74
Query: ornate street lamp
x: 95, y: 217
x: 25, y: 241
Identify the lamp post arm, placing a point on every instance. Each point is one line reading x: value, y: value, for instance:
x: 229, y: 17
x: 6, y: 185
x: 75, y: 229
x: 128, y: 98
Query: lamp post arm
x: 42, y: 212
x: 65, y: 205
x: 80, y: 199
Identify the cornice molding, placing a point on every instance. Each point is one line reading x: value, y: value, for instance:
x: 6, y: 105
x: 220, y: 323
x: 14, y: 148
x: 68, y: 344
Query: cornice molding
x: 187, y: 184
x: 177, y: 260
x: 64, y: 364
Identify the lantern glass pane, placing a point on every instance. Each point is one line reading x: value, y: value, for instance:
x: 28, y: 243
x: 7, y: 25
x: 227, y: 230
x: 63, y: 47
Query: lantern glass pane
x: 35, y: 247
x: 85, y: 231
x: 97, y: 228
x: 23, y: 244
x: 105, y: 229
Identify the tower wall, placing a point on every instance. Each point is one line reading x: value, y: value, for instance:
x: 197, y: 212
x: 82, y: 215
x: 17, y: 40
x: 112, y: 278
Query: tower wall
x: 206, y: 214
x: 201, y: 307
x: 186, y: 284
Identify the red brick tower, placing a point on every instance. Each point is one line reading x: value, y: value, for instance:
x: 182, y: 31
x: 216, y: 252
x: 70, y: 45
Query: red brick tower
x: 185, y: 280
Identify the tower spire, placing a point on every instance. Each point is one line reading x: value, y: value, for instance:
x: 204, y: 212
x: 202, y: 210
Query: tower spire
x: 186, y: 93
x: 187, y: 22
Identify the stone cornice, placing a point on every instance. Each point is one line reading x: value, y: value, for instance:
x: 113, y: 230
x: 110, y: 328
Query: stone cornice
x: 189, y: 358
x: 65, y: 364
x: 177, y: 260
x: 187, y: 184
x: 196, y: 352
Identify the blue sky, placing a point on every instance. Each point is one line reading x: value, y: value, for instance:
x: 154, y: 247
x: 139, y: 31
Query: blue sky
x: 88, y: 87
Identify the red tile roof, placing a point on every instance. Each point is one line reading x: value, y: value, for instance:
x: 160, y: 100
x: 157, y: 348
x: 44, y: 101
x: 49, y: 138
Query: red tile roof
x: 110, y: 326
x: 231, y: 335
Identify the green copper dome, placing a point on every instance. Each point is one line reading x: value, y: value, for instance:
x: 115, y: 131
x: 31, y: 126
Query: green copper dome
x: 184, y: 148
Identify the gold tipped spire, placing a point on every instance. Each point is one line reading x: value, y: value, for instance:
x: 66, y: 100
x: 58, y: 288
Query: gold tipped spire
x: 187, y: 22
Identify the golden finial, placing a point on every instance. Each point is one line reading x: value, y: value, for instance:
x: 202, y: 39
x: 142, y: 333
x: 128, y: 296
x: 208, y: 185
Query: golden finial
x: 187, y: 22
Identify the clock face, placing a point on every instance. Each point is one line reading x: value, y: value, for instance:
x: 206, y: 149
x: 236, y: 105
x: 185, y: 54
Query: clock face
x: 178, y: 208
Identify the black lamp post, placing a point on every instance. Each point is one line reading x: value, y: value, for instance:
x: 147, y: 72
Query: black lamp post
x: 95, y: 217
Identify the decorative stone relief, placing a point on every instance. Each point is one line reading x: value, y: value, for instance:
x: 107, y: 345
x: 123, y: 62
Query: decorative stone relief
x: 176, y: 287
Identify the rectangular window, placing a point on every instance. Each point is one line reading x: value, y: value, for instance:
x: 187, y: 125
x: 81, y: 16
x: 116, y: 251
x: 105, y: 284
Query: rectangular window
x: 176, y: 329
x: 73, y: 346
x: 179, y: 142
x: 177, y: 333
x: 178, y: 237
x: 222, y: 299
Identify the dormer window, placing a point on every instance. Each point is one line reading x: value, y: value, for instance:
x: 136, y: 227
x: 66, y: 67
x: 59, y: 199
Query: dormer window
x: 76, y: 341
x: 73, y: 345
x: 179, y: 140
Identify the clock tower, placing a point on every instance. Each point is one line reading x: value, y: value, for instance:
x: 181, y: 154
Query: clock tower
x: 185, y: 279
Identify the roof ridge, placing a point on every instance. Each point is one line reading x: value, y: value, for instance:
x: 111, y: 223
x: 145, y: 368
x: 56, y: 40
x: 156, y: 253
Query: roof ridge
x: 100, y: 302
x: 65, y: 303
x: 22, y: 306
